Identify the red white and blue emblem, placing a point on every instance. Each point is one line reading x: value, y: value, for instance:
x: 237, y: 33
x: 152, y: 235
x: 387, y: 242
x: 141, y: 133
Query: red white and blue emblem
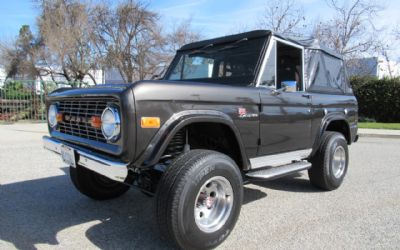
x: 242, y: 112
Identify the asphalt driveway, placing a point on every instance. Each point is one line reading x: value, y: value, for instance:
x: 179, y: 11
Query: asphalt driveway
x: 39, y: 207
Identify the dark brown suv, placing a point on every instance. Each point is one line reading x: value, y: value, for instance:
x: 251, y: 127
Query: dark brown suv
x: 253, y: 106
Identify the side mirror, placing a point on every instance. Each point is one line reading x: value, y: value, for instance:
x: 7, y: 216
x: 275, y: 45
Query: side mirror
x: 278, y: 91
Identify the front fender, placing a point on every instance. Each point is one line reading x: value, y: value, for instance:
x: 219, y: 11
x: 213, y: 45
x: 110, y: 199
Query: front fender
x: 161, y: 139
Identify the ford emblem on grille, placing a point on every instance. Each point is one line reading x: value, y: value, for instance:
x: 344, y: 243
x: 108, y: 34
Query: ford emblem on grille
x: 77, y: 119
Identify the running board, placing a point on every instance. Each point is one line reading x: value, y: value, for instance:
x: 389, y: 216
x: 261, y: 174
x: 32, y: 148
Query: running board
x: 277, y: 172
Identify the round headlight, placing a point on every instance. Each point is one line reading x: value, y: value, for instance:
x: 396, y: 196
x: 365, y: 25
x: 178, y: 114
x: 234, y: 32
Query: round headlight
x: 52, y: 115
x: 110, y: 124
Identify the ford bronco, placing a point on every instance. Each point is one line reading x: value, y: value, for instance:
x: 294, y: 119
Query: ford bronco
x: 251, y: 106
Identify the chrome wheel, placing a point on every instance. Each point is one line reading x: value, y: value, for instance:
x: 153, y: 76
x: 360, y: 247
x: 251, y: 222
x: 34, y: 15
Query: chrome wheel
x: 213, y: 204
x: 339, y: 161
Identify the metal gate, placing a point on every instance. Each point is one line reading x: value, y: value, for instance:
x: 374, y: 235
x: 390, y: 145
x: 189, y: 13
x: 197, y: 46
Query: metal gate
x: 24, y: 100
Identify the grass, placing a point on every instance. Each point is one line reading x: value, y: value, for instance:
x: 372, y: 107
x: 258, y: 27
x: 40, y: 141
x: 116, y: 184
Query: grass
x: 379, y: 125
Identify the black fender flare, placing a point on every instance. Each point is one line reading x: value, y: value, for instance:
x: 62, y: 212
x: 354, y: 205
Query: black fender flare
x: 330, y: 117
x: 161, y: 139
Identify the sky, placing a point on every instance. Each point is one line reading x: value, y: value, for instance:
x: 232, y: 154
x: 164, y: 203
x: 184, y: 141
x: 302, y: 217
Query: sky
x: 211, y: 18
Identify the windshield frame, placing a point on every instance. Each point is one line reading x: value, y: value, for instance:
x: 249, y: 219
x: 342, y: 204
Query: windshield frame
x: 210, y: 45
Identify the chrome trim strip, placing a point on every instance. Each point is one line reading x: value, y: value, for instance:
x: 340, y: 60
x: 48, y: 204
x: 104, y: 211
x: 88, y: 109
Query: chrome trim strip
x: 116, y: 171
x: 51, y: 145
x: 279, y: 159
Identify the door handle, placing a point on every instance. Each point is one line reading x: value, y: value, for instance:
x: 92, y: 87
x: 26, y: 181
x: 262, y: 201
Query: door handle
x: 308, y: 96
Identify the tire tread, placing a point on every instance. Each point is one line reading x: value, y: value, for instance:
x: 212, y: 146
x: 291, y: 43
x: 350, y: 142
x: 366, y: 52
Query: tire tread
x: 318, y: 172
x: 172, y: 185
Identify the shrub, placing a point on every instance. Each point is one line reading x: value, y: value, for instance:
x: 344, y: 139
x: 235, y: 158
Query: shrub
x: 378, y: 99
x: 17, y: 90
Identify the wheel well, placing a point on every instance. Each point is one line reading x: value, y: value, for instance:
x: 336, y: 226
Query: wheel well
x: 341, y: 127
x: 207, y: 135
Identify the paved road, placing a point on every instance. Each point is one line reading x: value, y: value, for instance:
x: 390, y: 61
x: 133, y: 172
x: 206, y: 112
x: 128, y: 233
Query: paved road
x: 39, y: 208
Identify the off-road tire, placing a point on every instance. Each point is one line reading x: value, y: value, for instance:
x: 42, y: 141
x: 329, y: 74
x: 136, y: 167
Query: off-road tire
x: 321, y: 173
x: 177, y: 193
x: 95, y: 185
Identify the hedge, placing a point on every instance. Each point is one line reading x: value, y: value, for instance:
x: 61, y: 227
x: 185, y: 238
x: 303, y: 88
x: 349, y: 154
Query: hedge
x: 378, y: 99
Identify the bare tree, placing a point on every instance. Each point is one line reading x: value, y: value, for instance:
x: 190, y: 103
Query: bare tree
x: 129, y: 39
x: 77, y: 36
x: 283, y: 16
x: 182, y: 33
x: 351, y: 31
x: 67, y: 34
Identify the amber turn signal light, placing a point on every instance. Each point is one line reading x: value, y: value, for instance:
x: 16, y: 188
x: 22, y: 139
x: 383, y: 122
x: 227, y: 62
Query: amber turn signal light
x: 150, y: 122
x: 60, y: 117
x: 95, y: 122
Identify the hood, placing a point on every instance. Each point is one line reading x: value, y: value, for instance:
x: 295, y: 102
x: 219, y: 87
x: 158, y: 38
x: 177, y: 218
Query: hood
x: 98, y: 90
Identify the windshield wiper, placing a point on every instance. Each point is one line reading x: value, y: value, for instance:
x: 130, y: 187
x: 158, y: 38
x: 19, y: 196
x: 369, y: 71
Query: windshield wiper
x: 233, y: 45
x: 201, y: 50
x: 229, y: 46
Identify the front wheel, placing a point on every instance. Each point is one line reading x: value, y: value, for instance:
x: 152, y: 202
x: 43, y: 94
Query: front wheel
x: 330, y: 162
x: 199, y: 199
x: 95, y: 185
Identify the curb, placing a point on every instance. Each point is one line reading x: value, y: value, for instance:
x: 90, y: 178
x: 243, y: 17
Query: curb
x: 379, y: 136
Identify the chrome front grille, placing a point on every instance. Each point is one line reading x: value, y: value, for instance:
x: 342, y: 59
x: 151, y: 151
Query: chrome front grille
x: 77, y: 116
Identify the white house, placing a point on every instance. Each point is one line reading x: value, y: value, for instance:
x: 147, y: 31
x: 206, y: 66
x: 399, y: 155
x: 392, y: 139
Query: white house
x: 113, y: 76
x: 3, y: 76
x: 97, y: 74
x: 373, y: 66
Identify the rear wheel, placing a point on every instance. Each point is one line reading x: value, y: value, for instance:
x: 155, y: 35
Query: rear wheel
x: 95, y: 185
x: 330, y: 162
x: 199, y: 199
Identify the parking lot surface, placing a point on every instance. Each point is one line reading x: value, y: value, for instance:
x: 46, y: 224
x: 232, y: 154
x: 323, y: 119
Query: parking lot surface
x: 40, y: 209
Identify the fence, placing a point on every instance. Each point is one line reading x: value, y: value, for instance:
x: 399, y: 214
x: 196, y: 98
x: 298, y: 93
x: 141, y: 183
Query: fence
x: 25, y: 100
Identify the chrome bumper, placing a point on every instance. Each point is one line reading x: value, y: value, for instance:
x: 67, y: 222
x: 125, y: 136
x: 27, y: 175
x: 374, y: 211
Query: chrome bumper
x: 116, y: 171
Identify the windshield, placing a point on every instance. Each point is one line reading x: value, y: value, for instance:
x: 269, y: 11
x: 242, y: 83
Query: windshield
x: 231, y: 63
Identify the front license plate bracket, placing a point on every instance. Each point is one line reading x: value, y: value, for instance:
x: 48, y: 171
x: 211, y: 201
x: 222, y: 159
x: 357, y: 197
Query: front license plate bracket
x: 68, y: 155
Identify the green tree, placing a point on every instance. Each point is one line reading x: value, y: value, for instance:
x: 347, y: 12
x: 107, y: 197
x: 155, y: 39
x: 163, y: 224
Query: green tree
x: 22, y: 55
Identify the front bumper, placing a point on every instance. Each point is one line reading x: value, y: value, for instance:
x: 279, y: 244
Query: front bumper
x: 114, y: 170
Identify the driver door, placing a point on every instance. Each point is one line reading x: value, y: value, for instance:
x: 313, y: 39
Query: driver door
x: 285, y: 116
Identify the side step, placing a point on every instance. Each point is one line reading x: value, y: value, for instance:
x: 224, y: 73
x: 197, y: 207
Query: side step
x: 277, y: 172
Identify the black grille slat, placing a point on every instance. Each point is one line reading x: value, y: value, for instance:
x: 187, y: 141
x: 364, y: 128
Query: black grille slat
x: 82, y: 109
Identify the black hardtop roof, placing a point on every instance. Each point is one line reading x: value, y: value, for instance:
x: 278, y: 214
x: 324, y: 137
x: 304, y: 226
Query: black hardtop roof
x: 307, y: 43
